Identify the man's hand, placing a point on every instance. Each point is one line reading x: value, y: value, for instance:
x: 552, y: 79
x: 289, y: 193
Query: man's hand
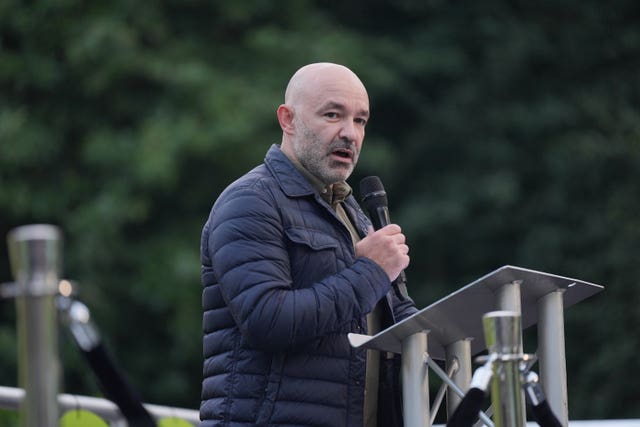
x: 387, y: 248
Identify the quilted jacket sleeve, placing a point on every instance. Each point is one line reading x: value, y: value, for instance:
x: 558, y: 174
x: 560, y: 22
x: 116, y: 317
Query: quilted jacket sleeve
x: 252, y: 267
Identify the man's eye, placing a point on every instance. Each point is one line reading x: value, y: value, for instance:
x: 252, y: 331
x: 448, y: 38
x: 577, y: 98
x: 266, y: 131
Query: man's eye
x: 361, y: 121
x: 331, y: 115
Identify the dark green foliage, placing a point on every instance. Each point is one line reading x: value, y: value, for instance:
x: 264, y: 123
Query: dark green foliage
x: 505, y: 133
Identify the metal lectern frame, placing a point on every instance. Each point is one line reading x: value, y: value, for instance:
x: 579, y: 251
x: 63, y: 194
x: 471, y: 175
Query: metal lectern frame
x: 451, y: 330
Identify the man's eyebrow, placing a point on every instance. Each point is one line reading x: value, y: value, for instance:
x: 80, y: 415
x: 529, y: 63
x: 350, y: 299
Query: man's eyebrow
x: 332, y: 105
x: 339, y: 106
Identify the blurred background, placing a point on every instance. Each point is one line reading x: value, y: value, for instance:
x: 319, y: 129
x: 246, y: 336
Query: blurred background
x: 504, y: 132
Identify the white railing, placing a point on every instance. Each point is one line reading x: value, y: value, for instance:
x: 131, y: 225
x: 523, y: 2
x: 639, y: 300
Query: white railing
x: 12, y: 398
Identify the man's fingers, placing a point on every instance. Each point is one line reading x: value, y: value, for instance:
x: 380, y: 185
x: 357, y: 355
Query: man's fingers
x: 390, y: 229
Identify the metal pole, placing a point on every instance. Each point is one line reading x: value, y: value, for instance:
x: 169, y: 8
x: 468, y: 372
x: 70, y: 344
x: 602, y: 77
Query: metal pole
x: 551, y: 354
x: 510, y: 299
x: 508, y: 296
x: 458, y: 354
x: 415, y: 381
x: 502, y: 335
x: 437, y: 401
x: 35, y: 256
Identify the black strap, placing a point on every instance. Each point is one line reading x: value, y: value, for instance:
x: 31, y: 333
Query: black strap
x: 117, y: 389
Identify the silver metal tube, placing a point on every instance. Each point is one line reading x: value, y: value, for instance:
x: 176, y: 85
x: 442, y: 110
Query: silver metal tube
x: 415, y: 381
x: 502, y: 334
x: 551, y: 354
x: 437, y: 401
x: 35, y: 257
x: 509, y: 298
x: 458, y: 353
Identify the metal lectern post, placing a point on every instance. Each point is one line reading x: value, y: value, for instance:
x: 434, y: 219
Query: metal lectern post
x: 458, y: 353
x: 508, y: 296
x: 551, y: 354
x: 415, y: 380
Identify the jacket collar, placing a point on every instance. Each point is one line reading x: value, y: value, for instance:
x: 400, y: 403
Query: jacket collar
x: 294, y: 184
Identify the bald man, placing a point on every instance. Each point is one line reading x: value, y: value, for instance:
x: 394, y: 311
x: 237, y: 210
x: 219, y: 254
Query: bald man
x: 291, y: 265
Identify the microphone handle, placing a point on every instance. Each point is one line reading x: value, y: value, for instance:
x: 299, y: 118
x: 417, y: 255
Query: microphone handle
x: 400, y: 286
x: 379, y: 218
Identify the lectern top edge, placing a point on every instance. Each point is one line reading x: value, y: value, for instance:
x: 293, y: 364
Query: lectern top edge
x: 458, y: 316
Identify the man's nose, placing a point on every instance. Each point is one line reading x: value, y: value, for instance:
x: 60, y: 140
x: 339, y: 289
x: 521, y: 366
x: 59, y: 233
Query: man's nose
x: 349, y: 131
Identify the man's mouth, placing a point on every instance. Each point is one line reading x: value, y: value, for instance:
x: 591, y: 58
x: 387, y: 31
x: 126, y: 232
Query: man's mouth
x: 343, y: 153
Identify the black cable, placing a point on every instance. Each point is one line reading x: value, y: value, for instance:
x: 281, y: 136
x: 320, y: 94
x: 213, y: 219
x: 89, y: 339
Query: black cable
x: 112, y: 382
x: 468, y: 410
x: 116, y: 388
x: 544, y: 415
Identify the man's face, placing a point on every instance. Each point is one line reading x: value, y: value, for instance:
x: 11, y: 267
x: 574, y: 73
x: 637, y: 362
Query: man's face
x: 330, y: 127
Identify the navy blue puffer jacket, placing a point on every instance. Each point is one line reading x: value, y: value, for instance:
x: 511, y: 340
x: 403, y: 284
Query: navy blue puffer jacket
x: 282, y: 288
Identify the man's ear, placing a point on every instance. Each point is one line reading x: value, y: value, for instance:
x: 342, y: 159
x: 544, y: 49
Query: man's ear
x: 285, y: 118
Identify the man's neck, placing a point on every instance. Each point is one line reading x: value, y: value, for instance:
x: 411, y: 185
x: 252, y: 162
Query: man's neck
x: 332, y: 193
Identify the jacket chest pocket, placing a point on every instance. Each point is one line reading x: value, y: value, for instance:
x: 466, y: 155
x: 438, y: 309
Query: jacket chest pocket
x: 313, y: 255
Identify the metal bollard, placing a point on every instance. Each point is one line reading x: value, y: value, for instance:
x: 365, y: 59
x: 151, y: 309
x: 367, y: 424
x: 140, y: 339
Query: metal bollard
x: 502, y: 335
x: 35, y: 254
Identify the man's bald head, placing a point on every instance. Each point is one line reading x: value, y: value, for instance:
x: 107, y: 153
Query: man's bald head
x: 323, y: 120
x: 311, y: 79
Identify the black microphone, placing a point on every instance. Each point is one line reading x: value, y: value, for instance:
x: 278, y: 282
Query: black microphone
x: 374, y: 199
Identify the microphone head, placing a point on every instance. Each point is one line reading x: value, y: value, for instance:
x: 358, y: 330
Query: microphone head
x: 372, y: 193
